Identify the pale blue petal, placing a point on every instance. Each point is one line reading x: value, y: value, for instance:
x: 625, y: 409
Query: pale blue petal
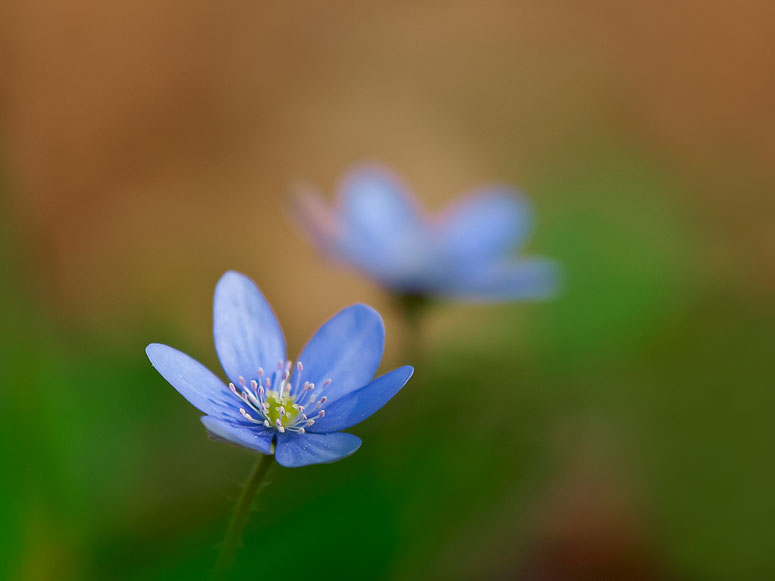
x: 247, y: 334
x: 362, y: 403
x: 193, y: 380
x: 529, y: 279
x: 347, y: 349
x: 294, y: 450
x: 484, y: 225
x: 383, y: 231
x: 254, y: 438
x: 317, y: 219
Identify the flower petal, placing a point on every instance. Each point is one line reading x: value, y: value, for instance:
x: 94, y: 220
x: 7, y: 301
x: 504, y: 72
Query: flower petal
x: 358, y: 405
x: 347, y: 349
x: 317, y: 219
x: 193, y: 380
x: 485, y: 224
x: 383, y: 231
x: 253, y: 438
x: 526, y: 279
x: 247, y: 334
x: 295, y: 450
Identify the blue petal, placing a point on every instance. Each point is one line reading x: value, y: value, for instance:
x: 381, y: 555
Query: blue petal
x: 362, y: 403
x: 347, y: 349
x: 484, y: 225
x: 383, y: 231
x: 193, y: 380
x: 527, y: 279
x: 247, y: 334
x: 317, y: 220
x: 253, y: 438
x: 295, y: 450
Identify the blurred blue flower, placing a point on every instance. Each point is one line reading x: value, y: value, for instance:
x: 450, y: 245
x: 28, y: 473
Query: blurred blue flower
x: 466, y: 252
x: 271, y: 406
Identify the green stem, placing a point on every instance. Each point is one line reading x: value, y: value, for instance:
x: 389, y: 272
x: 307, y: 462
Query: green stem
x: 412, y: 308
x: 240, y: 517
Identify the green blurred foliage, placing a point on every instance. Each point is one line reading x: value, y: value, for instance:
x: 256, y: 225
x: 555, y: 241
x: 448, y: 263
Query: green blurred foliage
x: 109, y: 475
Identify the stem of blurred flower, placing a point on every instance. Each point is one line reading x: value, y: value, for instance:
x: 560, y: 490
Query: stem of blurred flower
x: 412, y: 308
x: 240, y: 516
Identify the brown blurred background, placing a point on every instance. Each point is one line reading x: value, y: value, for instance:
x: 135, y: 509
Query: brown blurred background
x: 151, y: 137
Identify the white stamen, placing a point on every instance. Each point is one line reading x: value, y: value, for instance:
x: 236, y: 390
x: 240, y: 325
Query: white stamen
x: 254, y: 400
x: 248, y: 417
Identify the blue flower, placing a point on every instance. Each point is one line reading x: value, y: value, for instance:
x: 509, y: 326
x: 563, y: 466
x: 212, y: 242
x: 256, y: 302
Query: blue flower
x: 466, y: 252
x: 271, y: 406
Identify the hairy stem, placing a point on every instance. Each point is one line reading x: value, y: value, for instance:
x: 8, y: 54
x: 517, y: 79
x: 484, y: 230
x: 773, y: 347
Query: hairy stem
x: 240, y: 516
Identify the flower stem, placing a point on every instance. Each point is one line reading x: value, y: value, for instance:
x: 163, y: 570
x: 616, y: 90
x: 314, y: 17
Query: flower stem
x: 240, y: 516
x: 412, y: 308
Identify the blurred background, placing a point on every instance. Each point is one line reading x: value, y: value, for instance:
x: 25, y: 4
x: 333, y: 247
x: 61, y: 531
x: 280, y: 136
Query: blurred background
x: 622, y: 431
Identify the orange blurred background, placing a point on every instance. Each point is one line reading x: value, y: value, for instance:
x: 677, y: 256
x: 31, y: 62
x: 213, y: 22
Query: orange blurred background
x: 147, y: 142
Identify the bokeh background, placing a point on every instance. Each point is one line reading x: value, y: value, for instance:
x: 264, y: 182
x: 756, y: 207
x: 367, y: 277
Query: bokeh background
x: 622, y: 431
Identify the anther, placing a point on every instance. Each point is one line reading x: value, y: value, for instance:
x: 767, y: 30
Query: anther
x: 261, y: 391
x: 260, y: 371
x: 322, y: 413
x: 282, y: 411
x: 310, y: 423
x: 301, y: 430
x: 323, y: 399
x: 326, y: 383
x: 242, y: 381
x: 299, y: 366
